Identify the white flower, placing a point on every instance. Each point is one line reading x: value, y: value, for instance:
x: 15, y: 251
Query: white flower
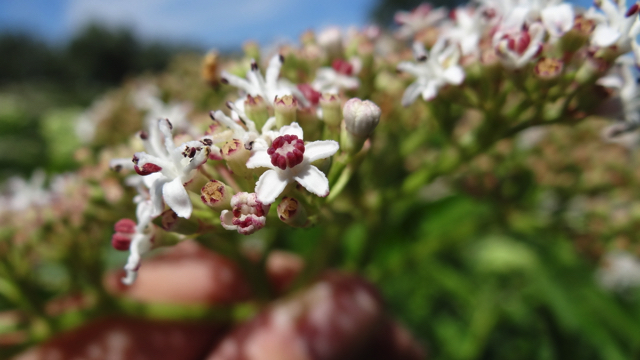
x: 618, y: 26
x: 247, y: 216
x: 339, y: 76
x: 268, y: 86
x: 467, y: 29
x: 147, y: 98
x: 620, y: 271
x: 87, y: 123
x: 175, y: 167
x: 433, y: 71
x: 248, y: 133
x: 289, y: 159
x: 625, y: 107
x: 518, y: 47
x: 557, y: 19
x: 23, y: 194
x: 419, y: 18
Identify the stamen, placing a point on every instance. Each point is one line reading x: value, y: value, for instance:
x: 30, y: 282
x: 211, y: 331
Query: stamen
x: 286, y: 151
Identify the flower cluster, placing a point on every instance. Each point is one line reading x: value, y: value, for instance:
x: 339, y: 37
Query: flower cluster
x: 224, y: 166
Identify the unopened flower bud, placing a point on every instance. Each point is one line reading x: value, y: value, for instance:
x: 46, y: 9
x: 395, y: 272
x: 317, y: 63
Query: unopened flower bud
x: 548, y: 68
x: 579, y: 34
x: 236, y: 156
x: 309, y: 93
x: 216, y: 194
x: 330, y: 39
x: 210, y: 68
x: 360, y: 117
x: 256, y: 110
x: 285, y: 108
x: 331, y: 110
x: 124, y: 230
x: 292, y: 213
x: 247, y: 216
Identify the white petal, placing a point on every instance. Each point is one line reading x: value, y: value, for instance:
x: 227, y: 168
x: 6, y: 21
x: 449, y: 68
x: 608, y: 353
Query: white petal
x: 258, y: 159
x: 144, y: 212
x: 119, y: 164
x: 176, y: 196
x: 270, y: 186
x: 558, y: 19
x: 604, y: 36
x: 155, y: 191
x: 314, y: 180
x: 237, y: 81
x: 409, y: 67
x: 430, y: 91
x: 320, y: 149
x: 412, y: 93
x: 273, y: 70
x: 293, y: 129
x: 226, y: 220
x: 635, y: 47
x: 611, y: 81
x: 454, y: 75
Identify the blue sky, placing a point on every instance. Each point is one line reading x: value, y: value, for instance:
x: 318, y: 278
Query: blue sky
x: 212, y: 23
x: 206, y: 23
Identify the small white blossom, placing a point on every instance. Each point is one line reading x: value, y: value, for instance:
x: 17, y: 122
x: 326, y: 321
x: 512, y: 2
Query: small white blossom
x: 22, y: 194
x: 289, y: 159
x: 268, y: 86
x: 625, y: 107
x: 176, y: 165
x: 466, y: 30
x: 433, y: 71
x: 147, y: 98
x: 617, y: 25
x: 420, y: 18
x: 620, y: 271
x: 247, y: 216
x: 518, y: 47
x: 341, y: 75
x: 248, y: 133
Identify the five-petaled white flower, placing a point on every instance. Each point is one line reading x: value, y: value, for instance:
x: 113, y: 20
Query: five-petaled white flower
x: 625, y: 107
x: 618, y: 26
x: 176, y: 166
x: 419, y: 18
x: 341, y: 75
x: 518, y: 47
x: 268, y: 86
x: 248, y: 133
x: 433, y: 71
x: 289, y: 159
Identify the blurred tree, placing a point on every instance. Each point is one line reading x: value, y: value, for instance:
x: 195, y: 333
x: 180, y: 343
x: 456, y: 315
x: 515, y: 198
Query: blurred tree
x: 383, y: 11
x: 40, y: 82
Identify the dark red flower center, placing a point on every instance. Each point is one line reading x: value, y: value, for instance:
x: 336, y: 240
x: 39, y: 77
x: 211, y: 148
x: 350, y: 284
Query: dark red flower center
x: 342, y: 67
x: 309, y: 93
x: 286, y: 151
x: 518, y: 42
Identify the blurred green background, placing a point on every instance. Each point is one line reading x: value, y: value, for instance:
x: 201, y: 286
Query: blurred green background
x: 473, y: 276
